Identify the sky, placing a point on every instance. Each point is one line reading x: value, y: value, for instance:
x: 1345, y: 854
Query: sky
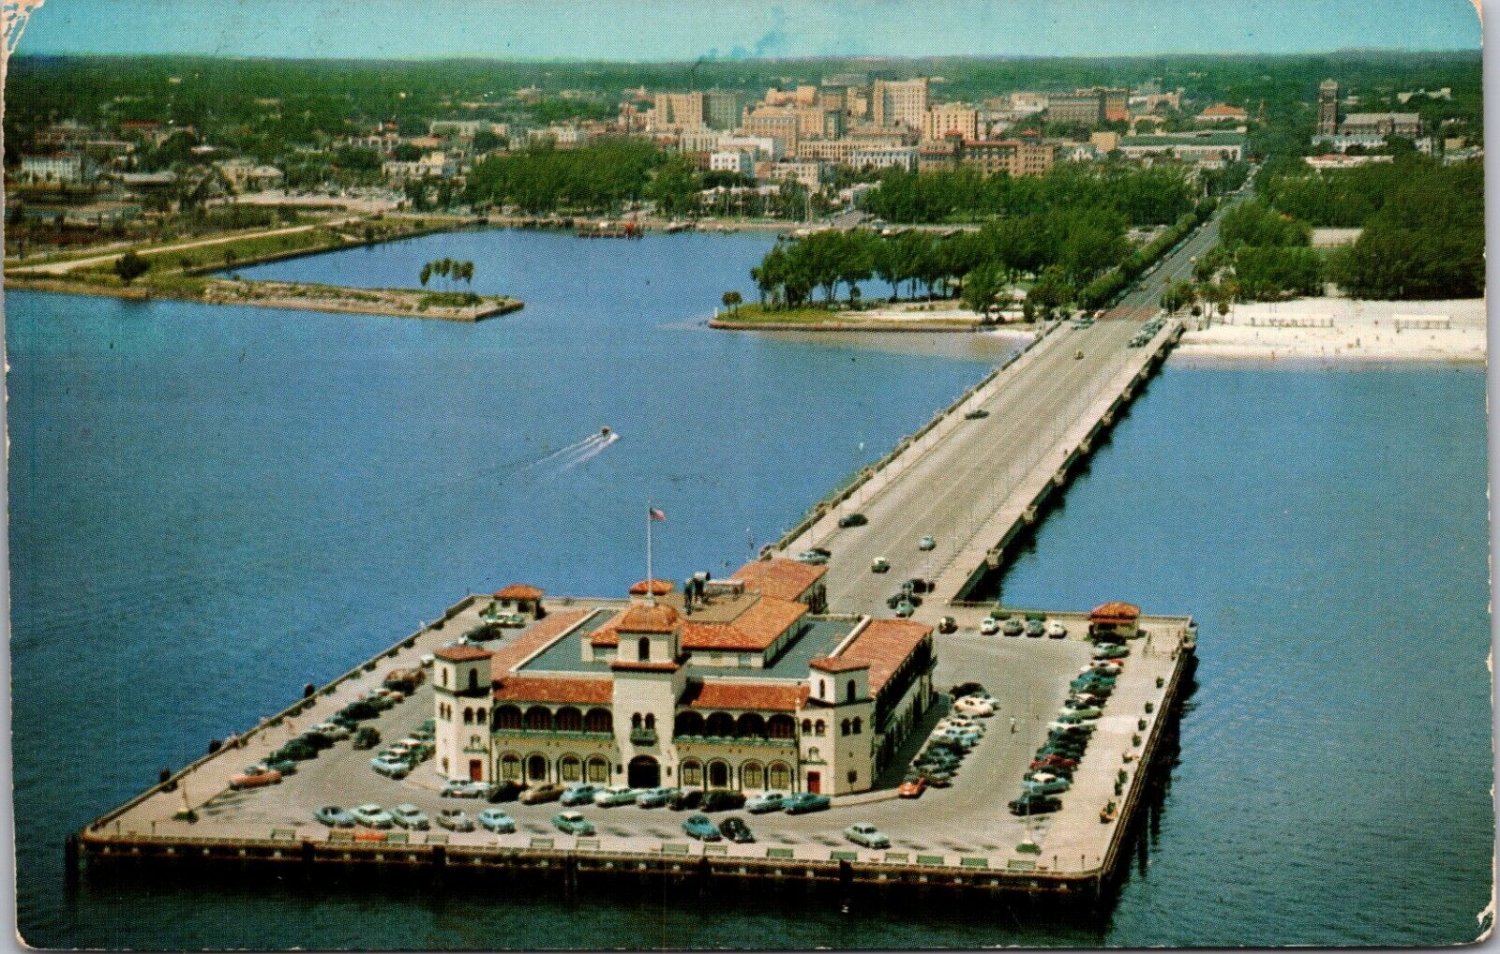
x: 678, y: 30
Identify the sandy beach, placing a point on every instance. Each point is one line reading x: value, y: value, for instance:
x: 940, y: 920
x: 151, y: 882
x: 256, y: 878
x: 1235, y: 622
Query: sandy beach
x: 1337, y: 330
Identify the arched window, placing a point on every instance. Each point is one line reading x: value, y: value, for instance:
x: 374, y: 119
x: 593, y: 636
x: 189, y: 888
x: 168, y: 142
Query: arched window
x: 688, y: 723
x: 820, y: 728
x: 598, y: 768
x: 635, y: 720
x: 849, y: 691
x: 718, y: 773
x: 692, y: 772
x: 643, y: 649
x: 750, y: 726
x: 538, y: 719
x: 780, y: 776
x: 510, y: 766
x: 719, y: 724
x: 844, y: 727
x: 752, y: 775
x: 599, y: 720
x: 781, y: 727
x: 568, y: 719
x: 570, y: 768
x: 813, y: 755
x: 650, y: 720
x: 507, y: 717
x: 479, y: 717
x: 476, y: 742
x: 468, y: 716
x: 473, y: 679
x: 858, y: 725
x: 807, y: 727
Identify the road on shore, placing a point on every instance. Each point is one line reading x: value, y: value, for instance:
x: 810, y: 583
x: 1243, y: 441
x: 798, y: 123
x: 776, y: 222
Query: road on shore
x: 63, y: 268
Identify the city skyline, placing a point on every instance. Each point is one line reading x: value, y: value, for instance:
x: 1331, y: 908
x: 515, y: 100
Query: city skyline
x: 577, y: 30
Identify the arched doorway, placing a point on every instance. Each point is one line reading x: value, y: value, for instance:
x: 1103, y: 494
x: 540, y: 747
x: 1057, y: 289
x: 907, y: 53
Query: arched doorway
x: 536, y: 768
x: 644, y: 772
x: 718, y: 774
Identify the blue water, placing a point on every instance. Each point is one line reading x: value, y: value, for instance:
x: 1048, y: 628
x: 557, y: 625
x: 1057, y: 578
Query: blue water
x: 213, y: 506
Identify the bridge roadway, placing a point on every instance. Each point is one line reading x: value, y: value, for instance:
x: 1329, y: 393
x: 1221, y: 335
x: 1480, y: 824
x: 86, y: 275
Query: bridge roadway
x: 960, y: 476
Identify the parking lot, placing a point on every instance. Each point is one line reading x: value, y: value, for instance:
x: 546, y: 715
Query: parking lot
x: 1029, y: 676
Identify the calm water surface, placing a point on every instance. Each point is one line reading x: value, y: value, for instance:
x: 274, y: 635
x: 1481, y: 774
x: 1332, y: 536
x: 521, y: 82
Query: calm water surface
x: 213, y: 506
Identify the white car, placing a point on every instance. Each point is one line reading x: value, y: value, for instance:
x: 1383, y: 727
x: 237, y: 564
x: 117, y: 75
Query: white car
x: 864, y: 833
x: 927, y: 543
x: 1056, y: 629
x: 331, y: 729
x: 971, y: 706
x: 766, y: 802
x: 619, y: 795
x: 989, y: 626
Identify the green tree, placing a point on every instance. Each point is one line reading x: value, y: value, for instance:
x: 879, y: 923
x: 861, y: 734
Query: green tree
x: 732, y: 300
x: 131, y: 266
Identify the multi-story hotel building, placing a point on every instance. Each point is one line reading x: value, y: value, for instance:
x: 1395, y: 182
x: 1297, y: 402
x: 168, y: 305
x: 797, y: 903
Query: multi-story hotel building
x: 733, y: 683
x: 949, y: 118
x: 899, y: 103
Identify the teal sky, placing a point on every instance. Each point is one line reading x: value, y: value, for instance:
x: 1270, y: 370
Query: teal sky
x: 689, y: 29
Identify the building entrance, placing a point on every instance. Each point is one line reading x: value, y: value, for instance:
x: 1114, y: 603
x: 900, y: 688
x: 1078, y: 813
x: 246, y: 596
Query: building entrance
x: 644, y: 772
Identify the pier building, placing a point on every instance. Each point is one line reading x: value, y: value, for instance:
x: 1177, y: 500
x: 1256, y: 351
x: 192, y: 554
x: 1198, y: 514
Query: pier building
x: 736, y: 683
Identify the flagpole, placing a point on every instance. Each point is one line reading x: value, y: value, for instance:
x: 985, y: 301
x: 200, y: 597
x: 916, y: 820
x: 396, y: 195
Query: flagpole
x: 650, y: 583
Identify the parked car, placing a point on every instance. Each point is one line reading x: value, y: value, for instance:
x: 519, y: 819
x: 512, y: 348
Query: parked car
x: 1044, y: 783
x: 853, y: 520
x: 334, y: 817
x: 1080, y: 710
x: 610, y: 797
x: 333, y: 730
x: 937, y: 777
x: 968, y: 689
x: 1052, y: 762
x: 766, y: 802
x: 913, y: 786
x: 904, y: 609
x: 880, y: 565
x: 974, y: 706
x: 549, y: 792
x: 295, y: 750
x: 988, y: 626
x: 254, y: 776
x: 804, y: 802
x: 864, y: 833
x: 947, y: 624
x: 277, y: 762
x: 359, y: 710
x: 579, y: 793
x: 978, y: 414
x: 1035, y: 627
x: 700, y: 827
x: 463, y: 788
x: 814, y: 557
x: 371, y: 816
x: 410, y: 816
x: 427, y: 731
x: 719, y: 799
x: 572, y: 823
x: 735, y: 829
x: 505, y: 791
x: 685, y: 798
x: 1110, y: 651
x: 392, y: 767
x: 927, y: 543
x: 455, y: 819
x: 1056, y: 629
x: 1034, y: 805
x: 1013, y: 627
x: 497, y: 820
x: 654, y: 797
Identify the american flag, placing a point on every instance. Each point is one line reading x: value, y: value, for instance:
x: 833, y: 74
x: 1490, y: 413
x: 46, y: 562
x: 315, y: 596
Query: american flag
x: 657, y: 514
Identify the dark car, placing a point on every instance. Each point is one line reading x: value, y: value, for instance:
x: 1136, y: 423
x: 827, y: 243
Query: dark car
x: 359, y: 710
x: 947, y: 624
x: 1034, y: 805
x: 967, y: 689
x: 978, y: 414
x: 506, y: 791
x: 719, y: 799
x: 896, y: 599
x: 685, y: 799
x: 295, y: 750
x: 804, y: 802
x: 917, y: 585
x: 735, y: 829
x: 853, y: 520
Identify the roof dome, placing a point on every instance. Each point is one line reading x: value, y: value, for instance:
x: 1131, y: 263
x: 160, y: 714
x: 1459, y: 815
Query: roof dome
x: 649, y: 619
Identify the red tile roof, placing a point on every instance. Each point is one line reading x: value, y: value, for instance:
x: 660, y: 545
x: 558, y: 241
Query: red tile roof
x: 838, y: 664
x: 551, y: 689
x: 885, y: 644
x: 1115, y: 612
x: 648, y: 619
x: 629, y: 666
x: 752, y: 631
x: 745, y: 695
x: 519, y: 591
x: 509, y: 654
x: 462, y: 653
x: 657, y: 587
x: 783, y: 579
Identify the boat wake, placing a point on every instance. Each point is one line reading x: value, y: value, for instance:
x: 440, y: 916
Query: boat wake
x: 591, y: 448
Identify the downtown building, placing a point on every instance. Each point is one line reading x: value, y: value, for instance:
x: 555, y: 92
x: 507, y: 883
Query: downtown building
x: 739, y: 683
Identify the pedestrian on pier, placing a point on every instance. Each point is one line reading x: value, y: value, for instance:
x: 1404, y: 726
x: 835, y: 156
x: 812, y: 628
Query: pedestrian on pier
x: 1012, y: 725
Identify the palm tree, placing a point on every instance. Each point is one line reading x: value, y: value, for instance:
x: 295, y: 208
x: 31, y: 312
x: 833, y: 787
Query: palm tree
x: 732, y: 301
x: 426, y: 273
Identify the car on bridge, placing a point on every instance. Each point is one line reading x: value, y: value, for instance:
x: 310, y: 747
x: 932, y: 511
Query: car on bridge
x: 927, y: 543
x: 853, y: 520
x: 817, y: 556
x: 880, y: 565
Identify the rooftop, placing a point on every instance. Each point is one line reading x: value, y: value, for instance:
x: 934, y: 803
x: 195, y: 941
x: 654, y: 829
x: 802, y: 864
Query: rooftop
x: 884, y: 645
x: 783, y: 579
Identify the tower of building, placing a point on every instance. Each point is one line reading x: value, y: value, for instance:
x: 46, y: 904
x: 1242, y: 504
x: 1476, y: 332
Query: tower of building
x: 1328, y: 108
